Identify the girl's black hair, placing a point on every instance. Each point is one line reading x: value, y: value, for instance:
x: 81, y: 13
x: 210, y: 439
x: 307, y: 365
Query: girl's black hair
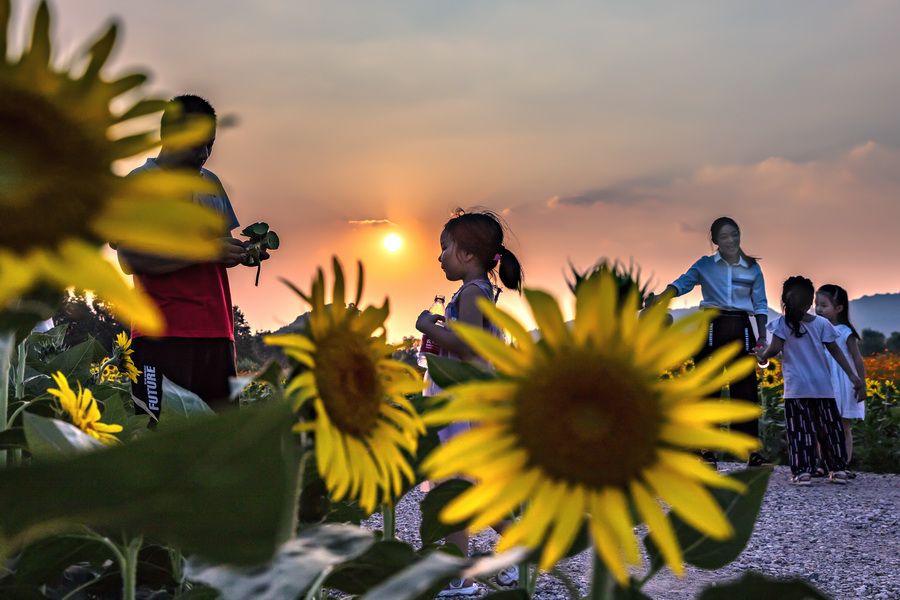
x: 838, y: 297
x: 481, y: 233
x: 717, y: 226
x: 796, y: 297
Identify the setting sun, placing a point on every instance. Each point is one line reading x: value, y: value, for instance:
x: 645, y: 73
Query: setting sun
x: 393, y: 242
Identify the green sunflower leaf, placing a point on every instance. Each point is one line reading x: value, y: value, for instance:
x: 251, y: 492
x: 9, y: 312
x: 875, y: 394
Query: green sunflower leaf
x: 377, y: 564
x: 271, y: 240
x: 448, y: 371
x: 75, y: 363
x: 425, y: 578
x: 42, y: 562
x: 298, y: 564
x: 255, y: 231
x: 740, y: 509
x: 186, y: 486
x: 754, y: 585
x: 180, y: 403
x: 432, y: 528
x: 52, y: 438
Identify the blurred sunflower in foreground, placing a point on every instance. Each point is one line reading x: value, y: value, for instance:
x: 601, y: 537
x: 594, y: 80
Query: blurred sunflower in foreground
x: 59, y: 199
x: 363, y: 422
x: 81, y: 407
x: 580, y: 423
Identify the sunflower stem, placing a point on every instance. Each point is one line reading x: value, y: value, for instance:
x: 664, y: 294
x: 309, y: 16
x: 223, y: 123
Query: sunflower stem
x: 6, y: 345
x: 15, y: 455
x: 390, y: 524
x: 129, y: 567
x: 602, y: 585
x: 21, y: 353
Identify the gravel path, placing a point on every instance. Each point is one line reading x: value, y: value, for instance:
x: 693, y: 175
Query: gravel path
x: 844, y: 539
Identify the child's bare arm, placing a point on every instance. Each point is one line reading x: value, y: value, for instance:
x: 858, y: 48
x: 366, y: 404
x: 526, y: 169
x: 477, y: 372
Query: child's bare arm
x: 775, y: 346
x: 841, y: 359
x: 856, y: 357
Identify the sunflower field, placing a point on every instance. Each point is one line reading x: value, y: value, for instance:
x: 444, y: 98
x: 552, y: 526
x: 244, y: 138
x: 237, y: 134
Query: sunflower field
x: 577, y: 440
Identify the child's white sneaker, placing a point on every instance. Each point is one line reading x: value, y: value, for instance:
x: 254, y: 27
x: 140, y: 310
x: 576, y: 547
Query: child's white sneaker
x: 458, y: 588
x: 509, y: 576
x: 838, y: 477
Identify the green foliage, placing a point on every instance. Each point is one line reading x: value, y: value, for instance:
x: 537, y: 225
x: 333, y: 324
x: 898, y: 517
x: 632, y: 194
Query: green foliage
x: 753, y: 586
x: 84, y: 320
x: 432, y: 528
x: 425, y: 578
x: 876, y: 439
x: 42, y: 562
x: 186, y: 486
x: 53, y: 439
x: 298, y: 564
x: 180, y: 404
x: 380, y: 562
x: 872, y: 342
x: 448, y: 371
x: 893, y: 342
x: 262, y: 239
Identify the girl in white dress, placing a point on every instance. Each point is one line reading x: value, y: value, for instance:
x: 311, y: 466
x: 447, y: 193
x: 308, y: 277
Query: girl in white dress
x: 833, y: 304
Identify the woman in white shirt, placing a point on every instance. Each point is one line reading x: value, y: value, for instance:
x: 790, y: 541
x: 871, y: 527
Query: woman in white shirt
x: 732, y: 284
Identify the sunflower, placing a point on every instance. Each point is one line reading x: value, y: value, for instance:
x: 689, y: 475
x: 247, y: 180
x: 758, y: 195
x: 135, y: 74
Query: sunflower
x: 579, y: 425
x: 120, y: 367
x: 59, y: 199
x: 363, y: 423
x: 82, y: 409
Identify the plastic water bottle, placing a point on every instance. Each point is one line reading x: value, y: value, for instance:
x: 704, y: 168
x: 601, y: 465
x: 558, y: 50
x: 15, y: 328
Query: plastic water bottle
x: 429, y: 346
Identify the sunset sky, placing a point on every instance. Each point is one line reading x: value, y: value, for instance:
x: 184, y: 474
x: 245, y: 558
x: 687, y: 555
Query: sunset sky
x: 616, y: 129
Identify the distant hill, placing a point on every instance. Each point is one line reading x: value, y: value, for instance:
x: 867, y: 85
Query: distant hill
x: 298, y: 324
x: 880, y: 312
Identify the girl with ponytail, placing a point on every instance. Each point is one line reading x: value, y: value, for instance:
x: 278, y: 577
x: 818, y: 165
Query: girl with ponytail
x: 473, y: 252
x: 810, y: 410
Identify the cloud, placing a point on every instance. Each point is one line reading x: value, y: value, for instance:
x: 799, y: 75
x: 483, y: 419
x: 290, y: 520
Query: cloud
x: 832, y: 218
x: 373, y: 222
x: 628, y: 192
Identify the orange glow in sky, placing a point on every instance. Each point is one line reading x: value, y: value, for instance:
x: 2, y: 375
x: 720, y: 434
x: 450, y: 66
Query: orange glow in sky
x: 358, y: 132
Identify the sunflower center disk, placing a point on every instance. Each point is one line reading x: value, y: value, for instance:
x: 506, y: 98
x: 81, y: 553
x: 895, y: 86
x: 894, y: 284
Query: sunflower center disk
x: 588, y: 419
x: 43, y: 150
x: 348, y: 383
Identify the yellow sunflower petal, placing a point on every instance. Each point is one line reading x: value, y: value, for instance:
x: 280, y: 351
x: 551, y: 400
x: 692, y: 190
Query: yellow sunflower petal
x: 660, y: 529
x: 703, y: 438
x: 79, y: 262
x: 291, y: 340
x: 503, y: 357
x: 548, y: 317
x: 532, y: 527
x: 613, y: 505
x: 607, y: 548
x: 516, y: 491
x: 508, y: 323
x: 690, y: 465
x: 714, y: 411
x: 691, y: 502
x: 569, y: 517
x: 166, y: 227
